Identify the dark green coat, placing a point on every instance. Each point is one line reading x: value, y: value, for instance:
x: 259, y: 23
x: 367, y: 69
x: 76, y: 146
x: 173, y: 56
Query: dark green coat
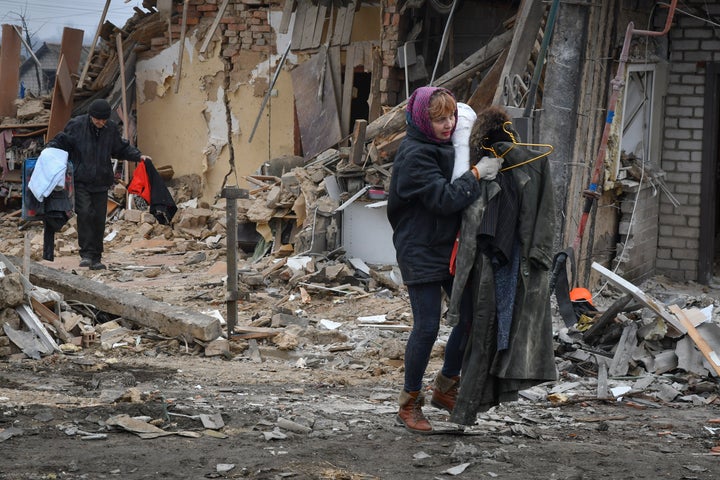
x: 490, y: 377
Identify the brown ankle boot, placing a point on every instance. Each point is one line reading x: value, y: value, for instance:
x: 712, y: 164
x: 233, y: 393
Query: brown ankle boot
x: 445, y: 392
x: 411, y: 415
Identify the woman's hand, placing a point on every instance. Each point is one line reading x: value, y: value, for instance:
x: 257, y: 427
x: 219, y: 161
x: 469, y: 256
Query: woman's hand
x: 487, y: 168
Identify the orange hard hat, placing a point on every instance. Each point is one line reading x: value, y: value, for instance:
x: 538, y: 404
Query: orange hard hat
x: 580, y: 293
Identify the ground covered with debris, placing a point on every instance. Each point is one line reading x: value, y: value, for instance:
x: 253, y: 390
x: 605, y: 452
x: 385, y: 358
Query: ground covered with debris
x: 307, y: 387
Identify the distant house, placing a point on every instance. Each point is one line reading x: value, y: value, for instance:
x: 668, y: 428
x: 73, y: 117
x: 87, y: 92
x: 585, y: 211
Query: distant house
x: 39, y: 79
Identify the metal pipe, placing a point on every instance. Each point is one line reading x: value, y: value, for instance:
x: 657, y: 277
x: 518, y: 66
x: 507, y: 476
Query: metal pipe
x: 231, y: 194
x: 591, y: 193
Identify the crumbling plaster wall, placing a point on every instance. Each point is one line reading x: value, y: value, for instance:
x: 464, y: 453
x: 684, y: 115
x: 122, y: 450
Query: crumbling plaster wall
x: 214, y: 109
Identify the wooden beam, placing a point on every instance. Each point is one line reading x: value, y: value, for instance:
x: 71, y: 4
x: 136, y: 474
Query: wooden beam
x: 64, y: 81
x: 92, y: 45
x: 9, y: 71
x: 52, y: 318
x: 183, y: 28
x: 347, y: 89
x: 209, y: 34
x: 170, y: 320
x: 60, y: 111
x: 525, y: 32
x: 286, y: 15
x: 358, y: 142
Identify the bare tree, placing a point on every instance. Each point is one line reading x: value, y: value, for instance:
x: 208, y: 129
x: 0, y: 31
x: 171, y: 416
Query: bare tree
x: 28, y: 43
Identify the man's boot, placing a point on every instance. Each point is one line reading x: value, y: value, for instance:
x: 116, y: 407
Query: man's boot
x: 411, y: 415
x: 445, y: 392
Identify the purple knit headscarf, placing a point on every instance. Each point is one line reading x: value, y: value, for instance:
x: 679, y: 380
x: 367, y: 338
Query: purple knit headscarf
x: 418, y: 111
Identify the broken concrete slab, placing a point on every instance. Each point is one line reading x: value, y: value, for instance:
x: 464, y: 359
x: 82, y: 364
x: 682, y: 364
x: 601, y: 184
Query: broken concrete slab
x: 168, y: 319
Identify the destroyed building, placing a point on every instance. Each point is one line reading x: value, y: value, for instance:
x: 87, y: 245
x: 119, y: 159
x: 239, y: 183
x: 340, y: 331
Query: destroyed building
x: 226, y: 90
x: 241, y: 92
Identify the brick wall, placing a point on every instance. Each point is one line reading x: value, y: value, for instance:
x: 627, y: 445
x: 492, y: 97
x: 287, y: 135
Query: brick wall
x: 638, y: 248
x: 692, y: 42
x: 244, y: 25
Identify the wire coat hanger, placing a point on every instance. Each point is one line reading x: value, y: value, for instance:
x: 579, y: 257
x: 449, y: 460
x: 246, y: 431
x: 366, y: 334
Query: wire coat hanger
x: 515, y: 143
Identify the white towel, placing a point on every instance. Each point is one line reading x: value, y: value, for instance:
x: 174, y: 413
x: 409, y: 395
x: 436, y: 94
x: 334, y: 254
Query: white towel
x: 461, y: 139
x: 49, y: 172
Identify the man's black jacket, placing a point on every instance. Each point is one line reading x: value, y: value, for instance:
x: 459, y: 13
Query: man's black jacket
x: 91, y: 151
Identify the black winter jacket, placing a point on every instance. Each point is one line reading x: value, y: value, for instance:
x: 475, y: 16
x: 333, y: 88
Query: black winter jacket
x: 424, y: 207
x: 91, y: 150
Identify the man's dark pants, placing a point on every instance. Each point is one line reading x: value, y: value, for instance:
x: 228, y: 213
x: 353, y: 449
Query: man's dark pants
x: 91, y: 209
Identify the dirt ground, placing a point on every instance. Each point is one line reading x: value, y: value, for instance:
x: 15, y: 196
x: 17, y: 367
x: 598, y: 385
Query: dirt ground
x: 322, y: 409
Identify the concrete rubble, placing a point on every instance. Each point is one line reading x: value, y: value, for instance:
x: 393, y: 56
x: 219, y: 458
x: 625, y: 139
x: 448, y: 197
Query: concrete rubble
x: 655, y: 365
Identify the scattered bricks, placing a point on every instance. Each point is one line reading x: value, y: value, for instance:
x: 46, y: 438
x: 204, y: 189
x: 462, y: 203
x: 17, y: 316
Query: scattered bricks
x: 149, y: 218
x: 237, y: 27
x: 134, y: 216
x: 252, y: 279
x: 207, y: 8
x: 12, y: 292
x: 89, y: 337
x: 260, y: 28
x: 228, y: 20
x: 193, y: 218
x: 145, y: 230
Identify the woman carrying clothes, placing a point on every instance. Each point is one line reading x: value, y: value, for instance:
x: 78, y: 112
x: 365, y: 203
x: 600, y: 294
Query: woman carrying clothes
x: 424, y: 209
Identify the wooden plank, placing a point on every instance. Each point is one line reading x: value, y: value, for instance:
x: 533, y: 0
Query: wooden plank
x: 710, y: 355
x: 605, y: 318
x: 347, y: 89
x: 308, y: 28
x: 650, y: 302
x: 92, y: 45
x: 483, y: 95
x: 181, y: 50
x: 297, y: 33
x: 9, y: 71
x: 169, y: 320
x: 348, y: 22
x: 60, y: 111
x: 50, y: 317
x: 288, y: 8
x: 339, y: 26
x: 319, y: 26
x: 335, y: 66
x: 319, y: 123
x: 358, y: 142
x: 374, y: 98
x: 64, y: 81
x: 211, y: 31
x: 527, y: 26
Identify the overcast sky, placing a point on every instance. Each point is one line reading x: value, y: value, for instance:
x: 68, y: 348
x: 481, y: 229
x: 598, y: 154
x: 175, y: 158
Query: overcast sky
x: 47, y: 18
